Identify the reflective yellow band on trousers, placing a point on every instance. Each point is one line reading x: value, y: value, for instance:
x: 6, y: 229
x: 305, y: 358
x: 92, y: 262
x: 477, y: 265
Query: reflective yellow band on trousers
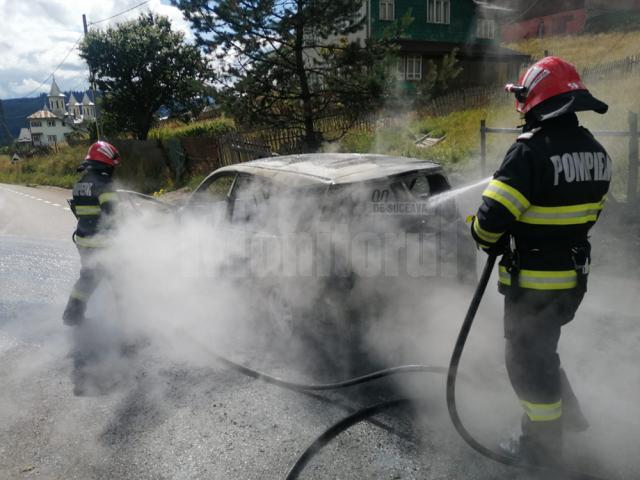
x: 108, y: 197
x: 566, y: 215
x: 507, y: 196
x: 486, y: 235
x: 542, y: 412
x: 91, y: 242
x: 78, y: 295
x: 541, y: 280
x: 87, y: 210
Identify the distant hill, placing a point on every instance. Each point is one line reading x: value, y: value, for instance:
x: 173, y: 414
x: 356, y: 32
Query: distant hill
x: 16, y: 111
x: 5, y: 136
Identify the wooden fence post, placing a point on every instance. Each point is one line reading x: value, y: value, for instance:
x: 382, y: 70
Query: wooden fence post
x: 483, y: 147
x: 632, y: 185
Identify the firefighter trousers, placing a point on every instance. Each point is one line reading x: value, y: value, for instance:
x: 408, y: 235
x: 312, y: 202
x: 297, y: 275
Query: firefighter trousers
x: 91, y: 273
x: 532, y: 324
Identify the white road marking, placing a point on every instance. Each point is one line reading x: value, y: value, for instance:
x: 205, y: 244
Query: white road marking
x: 53, y: 204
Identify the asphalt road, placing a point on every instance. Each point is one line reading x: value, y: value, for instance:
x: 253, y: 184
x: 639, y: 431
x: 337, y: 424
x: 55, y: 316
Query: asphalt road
x: 156, y: 418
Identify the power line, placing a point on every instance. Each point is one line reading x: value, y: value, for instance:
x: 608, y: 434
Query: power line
x: 118, y: 14
x: 56, y: 69
x: 78, y: 84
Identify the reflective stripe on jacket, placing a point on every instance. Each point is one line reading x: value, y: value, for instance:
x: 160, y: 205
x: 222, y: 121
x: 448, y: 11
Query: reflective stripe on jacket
x: 547, y: 194
x: 95, y: 200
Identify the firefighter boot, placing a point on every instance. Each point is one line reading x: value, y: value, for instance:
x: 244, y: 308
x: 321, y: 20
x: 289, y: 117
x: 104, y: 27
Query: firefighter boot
x: 74, y: 312
x: 539, y: 444
x: 573, y: 420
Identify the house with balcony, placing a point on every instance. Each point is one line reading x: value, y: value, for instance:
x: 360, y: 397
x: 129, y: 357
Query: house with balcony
x: 441, y: 26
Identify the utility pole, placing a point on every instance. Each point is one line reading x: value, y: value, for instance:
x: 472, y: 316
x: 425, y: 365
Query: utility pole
x: 93, y: 84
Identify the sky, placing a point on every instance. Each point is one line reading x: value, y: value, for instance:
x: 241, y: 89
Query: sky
x: 36, y: 35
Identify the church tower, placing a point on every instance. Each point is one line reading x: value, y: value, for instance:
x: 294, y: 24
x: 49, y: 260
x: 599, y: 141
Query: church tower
x: 56, y: 100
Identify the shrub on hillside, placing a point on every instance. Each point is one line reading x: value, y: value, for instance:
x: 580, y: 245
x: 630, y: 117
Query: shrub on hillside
x: 208, y: 128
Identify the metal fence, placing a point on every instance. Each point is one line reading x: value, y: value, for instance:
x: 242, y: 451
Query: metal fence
x: 632, y: 134
x: 244, y: 146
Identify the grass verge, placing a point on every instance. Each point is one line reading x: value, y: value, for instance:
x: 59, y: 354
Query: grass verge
x: 56, y: 169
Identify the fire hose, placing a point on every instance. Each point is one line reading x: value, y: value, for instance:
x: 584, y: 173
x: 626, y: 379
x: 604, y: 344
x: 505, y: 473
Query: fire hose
x: 365, y: 413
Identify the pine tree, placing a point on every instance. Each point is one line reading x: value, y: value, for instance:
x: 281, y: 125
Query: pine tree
x: 288, y: 63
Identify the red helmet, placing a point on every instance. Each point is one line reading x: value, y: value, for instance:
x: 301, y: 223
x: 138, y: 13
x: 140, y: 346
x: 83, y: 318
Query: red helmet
x: 103, y: 152
x: 551, y: 78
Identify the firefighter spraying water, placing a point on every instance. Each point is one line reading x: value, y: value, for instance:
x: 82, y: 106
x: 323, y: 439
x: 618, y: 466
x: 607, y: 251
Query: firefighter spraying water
x: 536, y: 213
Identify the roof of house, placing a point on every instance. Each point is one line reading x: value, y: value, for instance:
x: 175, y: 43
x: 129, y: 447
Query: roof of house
x: 86, y: 100
x: 72, y: 101
x: 41, y: 114
x: 471, y: 51
x: 25, y: 135
x: 55, y: 90
x: 331, y: 168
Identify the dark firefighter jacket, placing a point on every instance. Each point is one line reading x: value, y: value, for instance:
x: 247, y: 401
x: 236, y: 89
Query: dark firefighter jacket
x: 547, y: 194
x: 94, y: 202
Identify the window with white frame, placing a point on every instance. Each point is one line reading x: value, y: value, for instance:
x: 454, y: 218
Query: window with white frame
x: 51, y: 123
x: 52, y: 138
x: 439, y: 11
x: 36, y: 123
x: 411, y: 67
x: 387, y: 10
x: 486, y: 28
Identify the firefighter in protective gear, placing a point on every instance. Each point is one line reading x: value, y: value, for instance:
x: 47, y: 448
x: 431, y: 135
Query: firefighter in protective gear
x: 536, y: 212
x: 94, y: 202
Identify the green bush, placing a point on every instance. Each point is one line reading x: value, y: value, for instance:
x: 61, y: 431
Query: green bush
x: 356, y: 142
x: 206, y: 128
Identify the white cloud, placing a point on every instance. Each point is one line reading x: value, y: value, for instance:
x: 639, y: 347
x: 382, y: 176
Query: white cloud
x: 36, y: 35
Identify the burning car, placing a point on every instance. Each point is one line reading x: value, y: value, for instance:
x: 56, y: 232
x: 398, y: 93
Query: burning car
x: 317, y: 228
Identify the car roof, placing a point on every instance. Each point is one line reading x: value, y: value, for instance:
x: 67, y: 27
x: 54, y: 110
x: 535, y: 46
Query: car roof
x: 331, y: 168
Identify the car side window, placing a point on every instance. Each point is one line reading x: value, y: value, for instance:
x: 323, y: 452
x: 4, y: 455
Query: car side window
x: 217, y: 190
x: 250, y: 194
x: 210, y: 200
x: 438, y: 184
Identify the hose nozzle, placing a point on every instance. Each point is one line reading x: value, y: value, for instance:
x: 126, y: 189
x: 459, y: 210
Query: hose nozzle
x: 520, y: 91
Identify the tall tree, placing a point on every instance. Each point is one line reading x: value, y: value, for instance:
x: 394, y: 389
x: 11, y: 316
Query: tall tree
x: 141, y: 66
x: 290, y: 62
